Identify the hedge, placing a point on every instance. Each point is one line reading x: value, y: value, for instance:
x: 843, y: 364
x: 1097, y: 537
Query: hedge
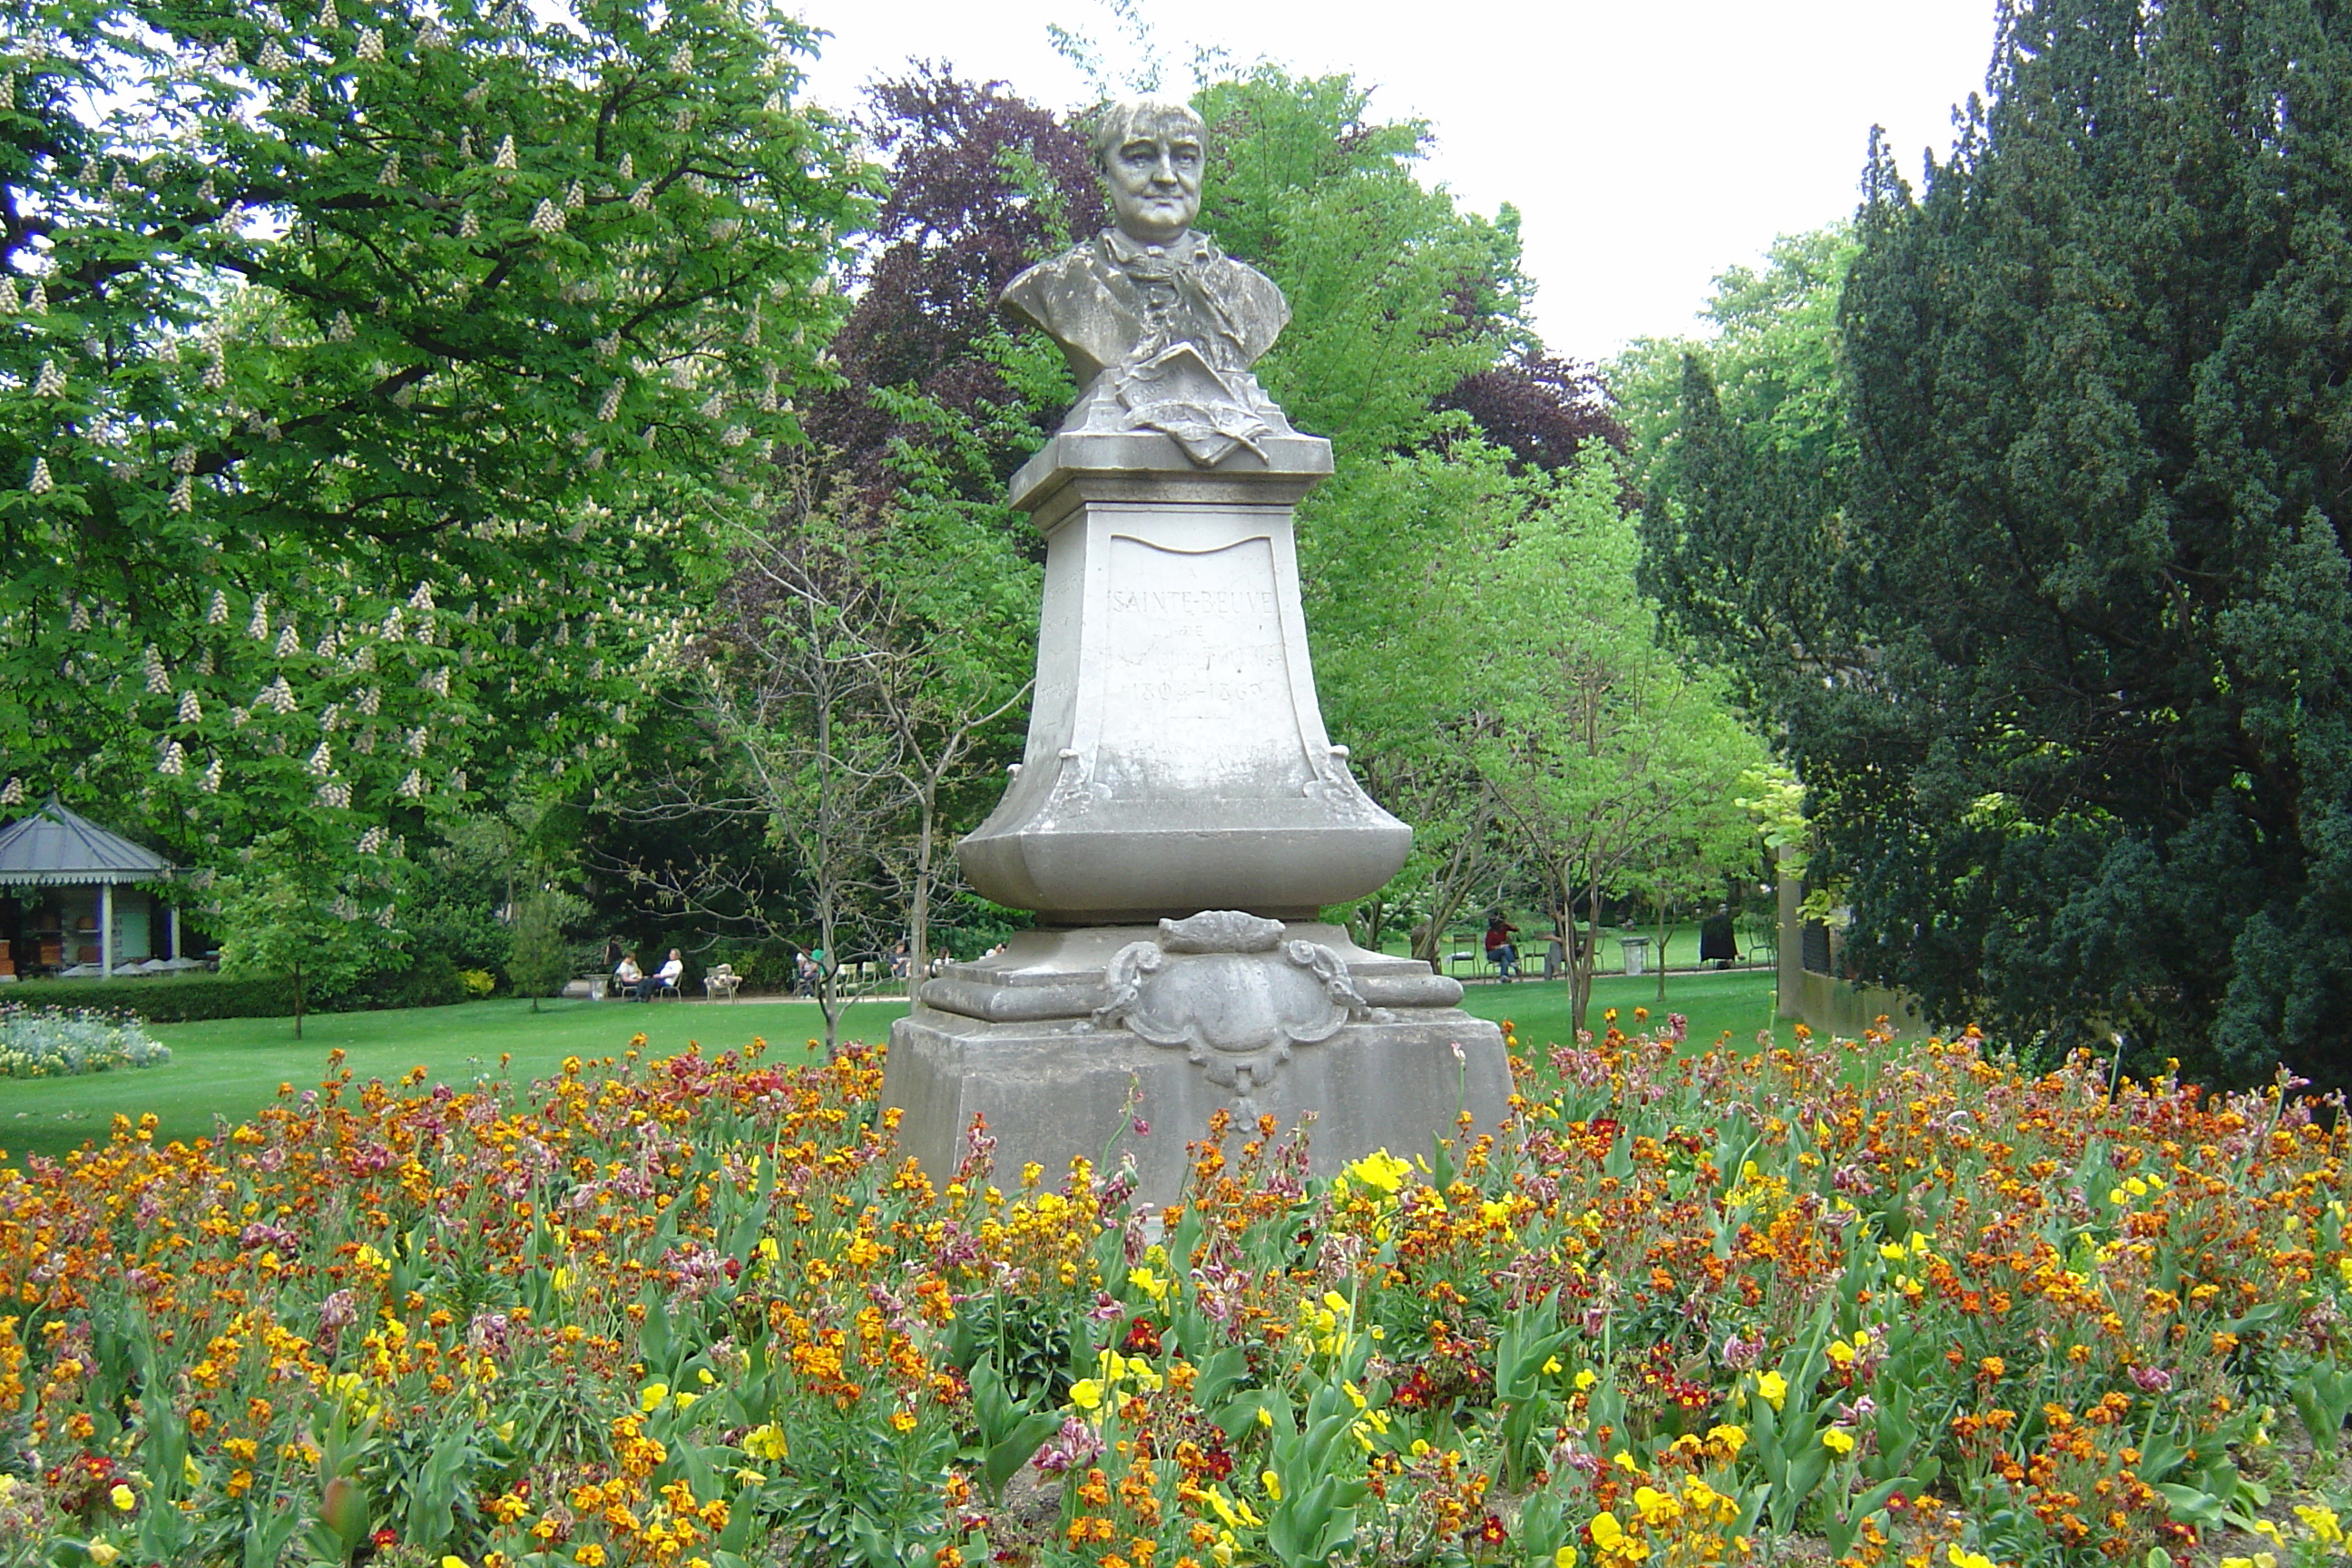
x: 186, y: 998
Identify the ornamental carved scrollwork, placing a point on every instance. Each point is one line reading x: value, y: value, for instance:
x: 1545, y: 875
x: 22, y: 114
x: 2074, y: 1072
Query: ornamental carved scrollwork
x: 1228, y: 990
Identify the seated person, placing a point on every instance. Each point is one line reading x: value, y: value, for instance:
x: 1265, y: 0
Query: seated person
x: 626, y: 974
x: 666, y: 975
x: 1503, y: 956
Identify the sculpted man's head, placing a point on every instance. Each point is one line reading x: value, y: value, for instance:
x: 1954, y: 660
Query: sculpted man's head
x: 1150, y: 154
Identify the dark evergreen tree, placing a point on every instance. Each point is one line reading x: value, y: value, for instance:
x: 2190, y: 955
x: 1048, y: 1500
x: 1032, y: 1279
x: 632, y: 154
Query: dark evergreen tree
x: 2090, y: 770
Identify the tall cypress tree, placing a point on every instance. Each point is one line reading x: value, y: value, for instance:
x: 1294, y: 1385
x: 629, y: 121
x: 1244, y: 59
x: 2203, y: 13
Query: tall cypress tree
x: 2096, y: 773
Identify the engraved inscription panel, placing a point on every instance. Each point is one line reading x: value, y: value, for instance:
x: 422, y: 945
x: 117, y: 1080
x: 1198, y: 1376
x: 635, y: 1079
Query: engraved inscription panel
x: 1197, y: 688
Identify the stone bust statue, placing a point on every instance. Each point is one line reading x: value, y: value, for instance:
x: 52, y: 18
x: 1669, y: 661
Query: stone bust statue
x: 1160, y: 326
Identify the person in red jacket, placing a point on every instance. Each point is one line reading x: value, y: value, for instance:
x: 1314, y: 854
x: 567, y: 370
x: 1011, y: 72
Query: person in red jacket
x: 1500, y: 951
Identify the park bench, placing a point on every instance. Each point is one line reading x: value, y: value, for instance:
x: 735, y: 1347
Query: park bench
x: 720, y: 982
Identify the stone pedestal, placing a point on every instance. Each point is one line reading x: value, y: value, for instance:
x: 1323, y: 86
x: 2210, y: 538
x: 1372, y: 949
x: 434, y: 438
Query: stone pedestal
x: 1177, y: 759
x: 1178, y: 819
x: 1066, y: 1036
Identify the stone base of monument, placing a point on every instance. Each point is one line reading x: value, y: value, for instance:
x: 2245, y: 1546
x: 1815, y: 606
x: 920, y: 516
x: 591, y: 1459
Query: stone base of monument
x: 1066, y: 1037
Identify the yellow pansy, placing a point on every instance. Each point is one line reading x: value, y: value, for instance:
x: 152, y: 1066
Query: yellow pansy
x: 1773, y: 1387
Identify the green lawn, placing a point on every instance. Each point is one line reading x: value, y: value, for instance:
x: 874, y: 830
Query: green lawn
x: 231, y: 1068
x: 1737, y: 1001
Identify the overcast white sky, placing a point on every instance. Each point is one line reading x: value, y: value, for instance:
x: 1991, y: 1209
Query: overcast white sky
x: 1648, y: 145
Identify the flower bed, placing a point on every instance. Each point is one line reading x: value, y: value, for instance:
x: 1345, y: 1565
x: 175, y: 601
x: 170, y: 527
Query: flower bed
x: 57, y: 1042
x: 1903, y: 1305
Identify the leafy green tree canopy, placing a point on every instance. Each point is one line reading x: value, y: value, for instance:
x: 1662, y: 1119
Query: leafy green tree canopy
x: 364, y: 374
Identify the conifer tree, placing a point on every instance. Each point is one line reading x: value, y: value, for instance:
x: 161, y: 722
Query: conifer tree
x: 2094, y: 775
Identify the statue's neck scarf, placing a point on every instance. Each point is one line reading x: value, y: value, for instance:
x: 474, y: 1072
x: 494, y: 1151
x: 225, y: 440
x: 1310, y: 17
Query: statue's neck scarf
x: 1177, y: 305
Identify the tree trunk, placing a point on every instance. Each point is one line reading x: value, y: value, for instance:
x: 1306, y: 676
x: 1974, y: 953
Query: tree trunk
x: 918, y: 907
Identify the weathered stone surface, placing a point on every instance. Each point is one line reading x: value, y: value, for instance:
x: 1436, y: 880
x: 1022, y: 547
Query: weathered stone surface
x: 1256, y: 1018
x: 1176, y: 758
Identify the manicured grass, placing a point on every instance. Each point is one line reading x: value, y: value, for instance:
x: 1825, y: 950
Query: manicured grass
x: 231, y: 1068
x: 1737, y: 1001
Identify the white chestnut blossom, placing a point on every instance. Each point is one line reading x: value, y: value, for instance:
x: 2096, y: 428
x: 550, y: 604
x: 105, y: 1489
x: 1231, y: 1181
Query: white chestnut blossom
x: 174, y: 762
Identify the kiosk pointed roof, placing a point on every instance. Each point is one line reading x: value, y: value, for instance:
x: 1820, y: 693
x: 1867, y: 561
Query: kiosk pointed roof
x: 55, y: 848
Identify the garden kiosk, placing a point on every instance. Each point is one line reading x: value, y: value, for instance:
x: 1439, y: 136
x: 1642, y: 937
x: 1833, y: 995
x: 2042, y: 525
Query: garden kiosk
x: 54, y: 847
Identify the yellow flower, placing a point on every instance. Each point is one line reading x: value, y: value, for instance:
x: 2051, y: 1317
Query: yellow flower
x: 652, y: 1398
x: 765, y: 1442
x: 1731, y: 1437
x: 1773, y: 1387
x: 1381, y: 1170
x: 1838, y: 1441
x: 1273, y: 1484
x: 1960, y: 1558
x: 1552, y: 1367
x: 683, y: 1400
x: 1586, y: 1379
x: 189, y: 1473
x: 124, y: 1499
x: 1151, y: 1284
x: 2321, y: 1522
x: 1564, y: 1558
x: 103, y: 1552
x: 1086, y: 1393
x: 1606, y: 1531
x: 452, y: 1561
